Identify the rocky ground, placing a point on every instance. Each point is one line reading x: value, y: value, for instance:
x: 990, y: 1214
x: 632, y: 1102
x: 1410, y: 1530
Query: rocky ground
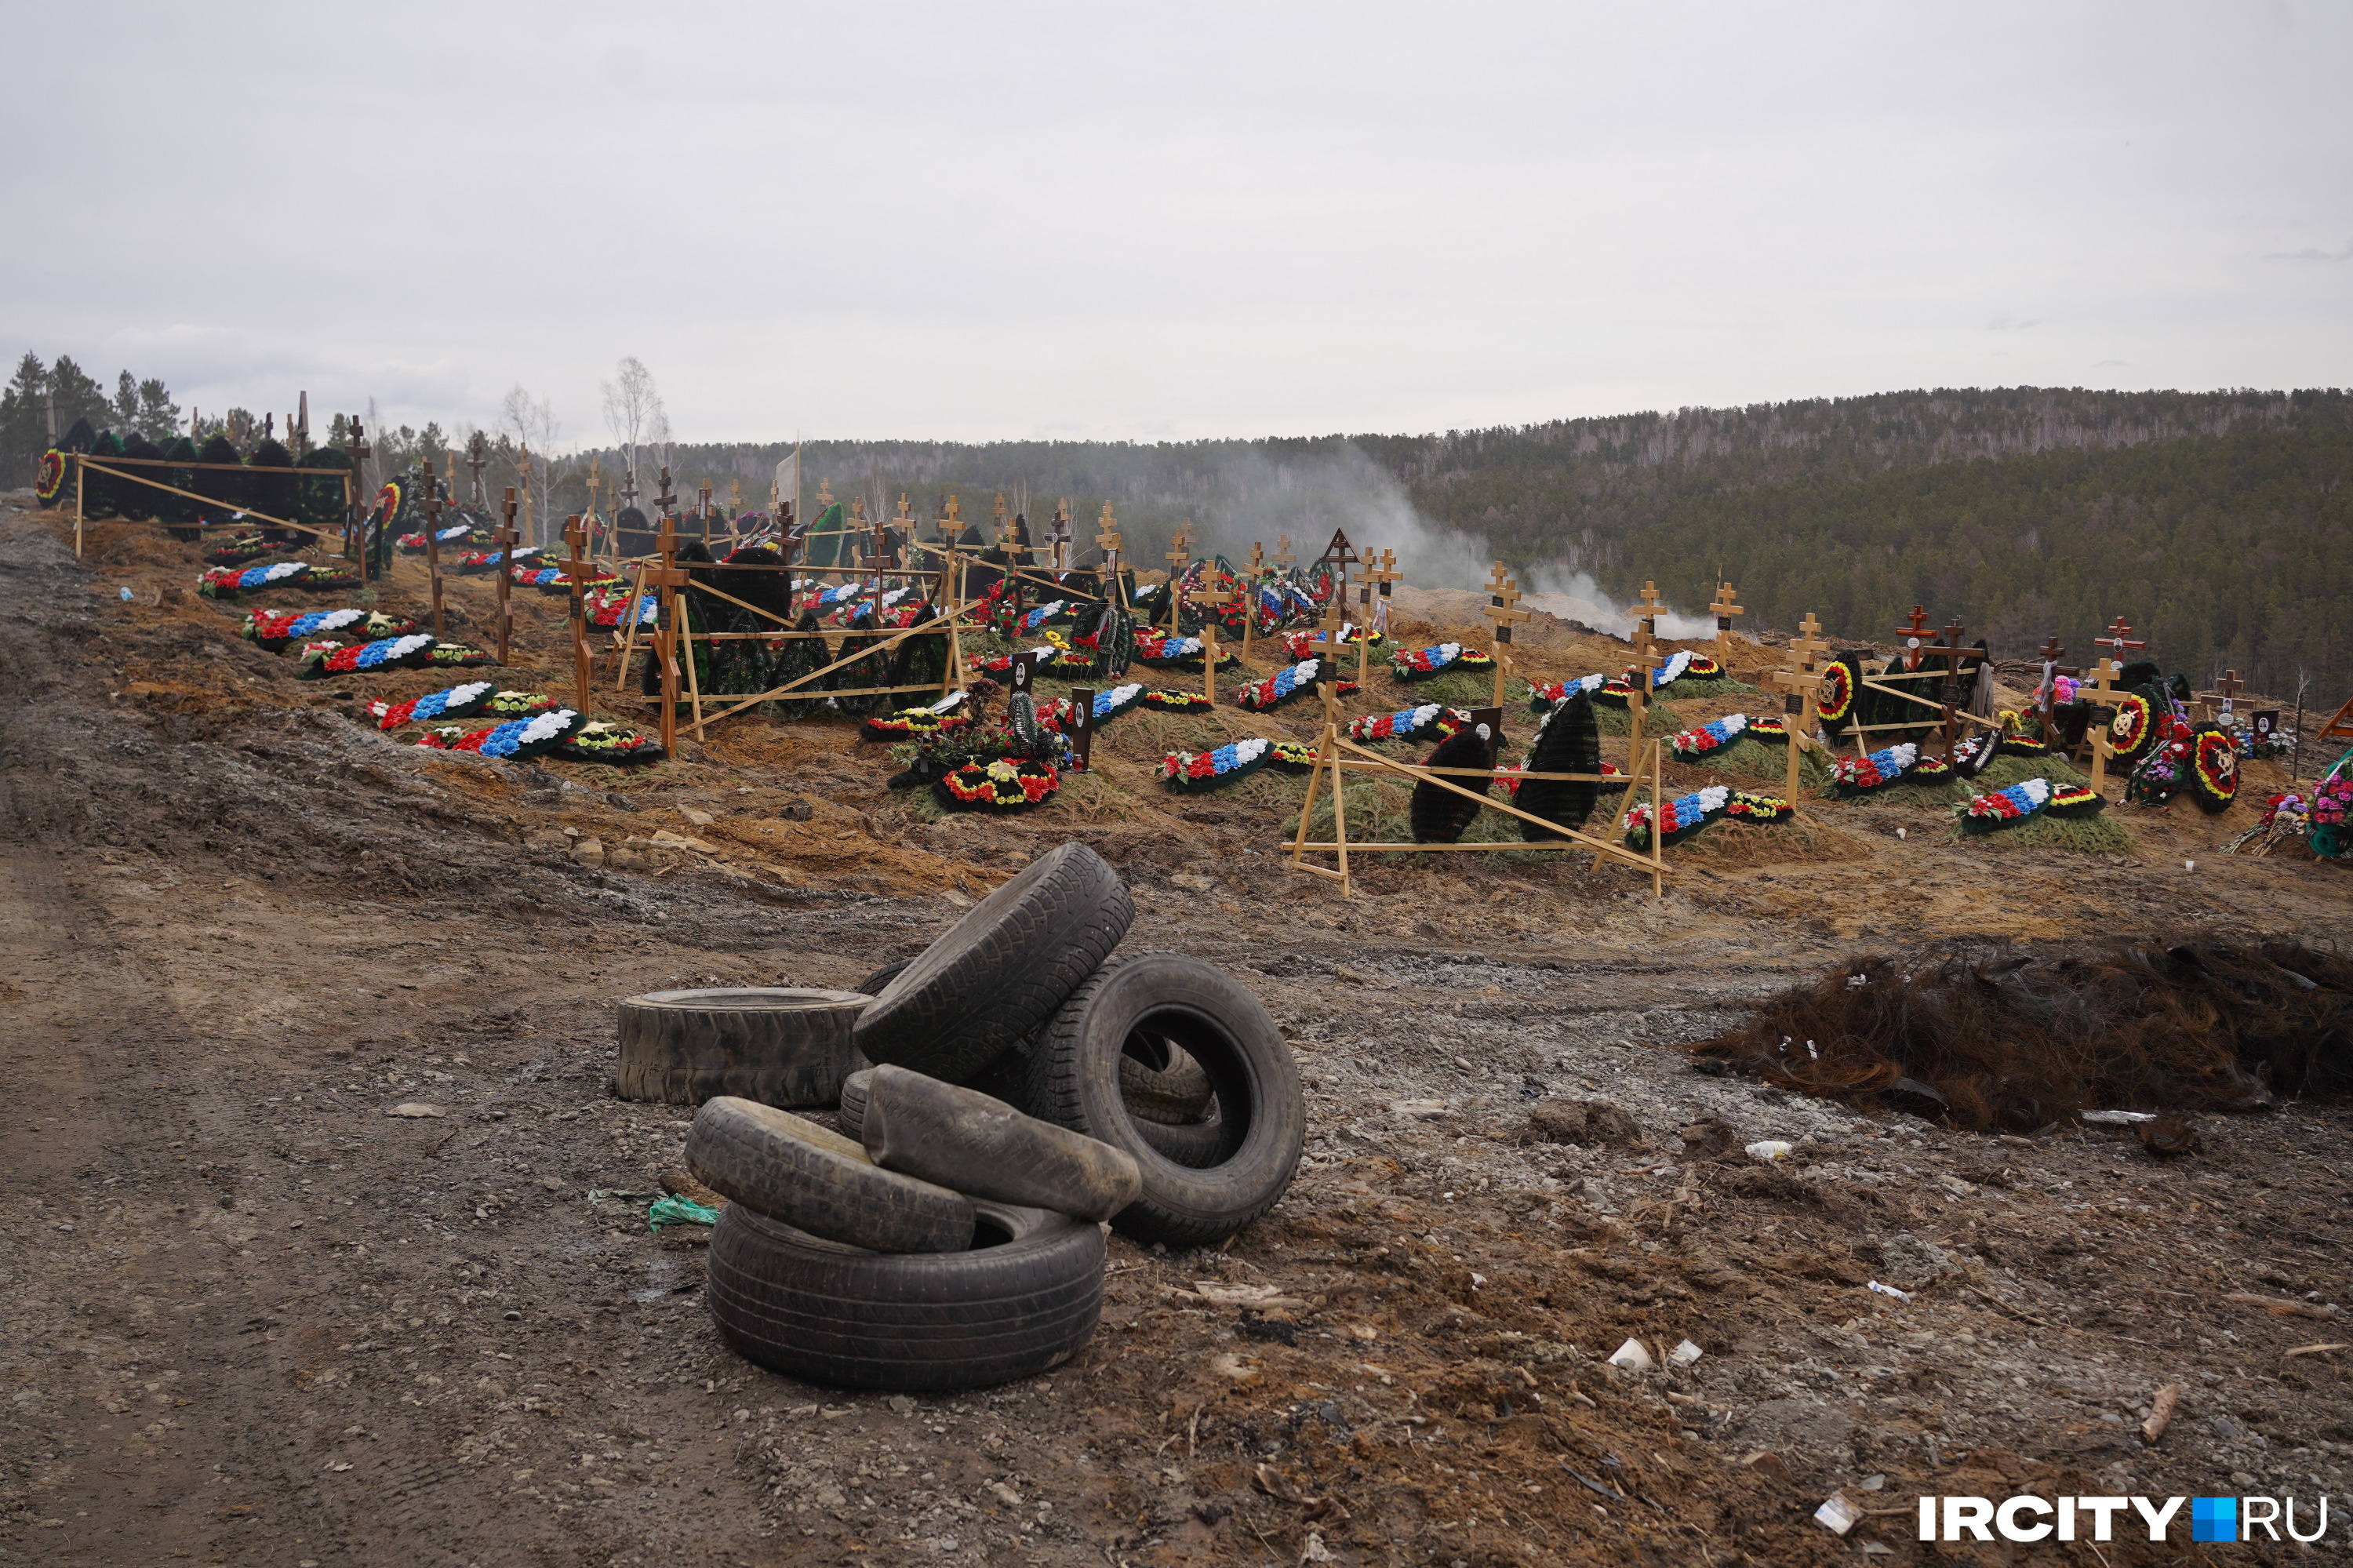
x: 249, y: 1317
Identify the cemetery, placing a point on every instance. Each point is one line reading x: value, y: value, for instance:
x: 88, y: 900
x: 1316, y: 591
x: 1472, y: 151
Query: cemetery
x: 821, y: 920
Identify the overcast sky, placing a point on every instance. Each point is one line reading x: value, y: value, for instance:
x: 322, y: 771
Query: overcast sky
x: 1174, y: 221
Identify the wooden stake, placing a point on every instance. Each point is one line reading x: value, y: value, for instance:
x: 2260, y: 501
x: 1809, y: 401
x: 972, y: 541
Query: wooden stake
x: 80, y: 472
x: 433, y: 545
x: 629, y: 631
x: 1502, y: 602
x: 576, y: 536
x: 1177, y: 559
x: 503, y: 542
x: 667, y: 580
x: 1646, y: 628
x: 1219, y: 596
x: 1801, y: 677
x: 1725, y: 608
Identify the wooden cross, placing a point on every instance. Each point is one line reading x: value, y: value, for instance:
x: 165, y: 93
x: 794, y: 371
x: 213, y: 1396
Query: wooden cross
x: 2120, y: 639
x: 952, y: 519
x: 1502, y: 609
x: 1339, y: 552
x: 503, y: 542
x: 1215, y: 596
x: 1365, y: 575
x: 1725, y: 607
x: 596, y: 486
x: 1800, y: 676
x: 1947, y: 645
x: 1328, y: 628
x: 579, y: 537
x: 1385, y: 574
x: 1646, y: 627
x: 478, y: 458
x: 665, y: 501
x: 527, y: 529
x: 354, y: 544
x: 1284, y: 558
x: 824, y: 495
x: 1913, y: 634
x: 1107, y: 540
x: 433, y: 545
x: 2221, y: 701
x: 1179, y: 547
x: 1002, y: 521
x: 666, y: 580
x: 1059, y: 540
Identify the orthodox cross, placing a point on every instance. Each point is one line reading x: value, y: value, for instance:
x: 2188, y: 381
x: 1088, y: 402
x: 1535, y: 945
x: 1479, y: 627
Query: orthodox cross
x: 1725, y: 607
x: 2224, y: 693
x: 702, y: 508
x: 1250, y: 610
x: 359, y: 452
x: 1947, y: 645
x: 525, y: 466
x: 1107, y: 540
x: 1284, y: 558
x: 2047, y: 695
x: 1385, y: 574
x: 953, y: 517
x: 1059, y: 539
x: 2120, y: 639
x: 1913, y: 634
x: 1179, y: 547
x: 1339, y: 552
x: 596, y: 488
x: 503, y: 543
x: 824, y: 495
x: 1646, y: 627
x: 1502, y: 609
x: 478, y: 458
x: 665, y: 499
x: 1002, y: 523
x: 1798, y: 677
x: 579, y: 537
x: 1215, y: 596
x: 432, y: 542
x: 303, y: 425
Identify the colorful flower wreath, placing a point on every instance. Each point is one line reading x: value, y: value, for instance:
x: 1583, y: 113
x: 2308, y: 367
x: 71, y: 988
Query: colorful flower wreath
x: 1421, y: 663
x: 228, y: 582
x: 1052, y: 610
x: 1677, y: 666
x: 1430, y: 721
x: 474, y: 561
x: 1769, y: 727
x: 1758, y: 808
x: 1930, y: 769
x: 1176, y: 702
x: 320, y: 660
x: 414, y: 543
x: 1854, y: 775
x: 515, y: 739
x: 1108, y: 705
x: 544, y: 578
x: 513, y: 704
x: 458, y: 656
x: 240, y: 550
x: 1191, y: 772
x: 2015, y: 745
x: 1703, y: 667
x: 1834, y: 698
x: 1294, y: 756
x: 1159, y: 650
x: 610, y: 608
x: 611, y: 744
x: 276, y: 629
x: 2213, y: 770
x: 2076, y: 800
x: 1285, y: 684
x: 50, y: 477
x: 1678, y: 819
x: 914, y: 722
x: 1712, y: 736
x: 455, y: 701
x: 1302, y: 644
x: 1003, y: 785
x: 2005, y: 808
x: 1542, y: 698
x: 2134, y: 729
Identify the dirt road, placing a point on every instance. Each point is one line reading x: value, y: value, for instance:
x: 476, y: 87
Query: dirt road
x: 248, y: 1316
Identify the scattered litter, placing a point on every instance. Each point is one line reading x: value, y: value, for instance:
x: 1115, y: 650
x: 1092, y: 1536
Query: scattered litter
x: 676, y: 1211
x: 2119, y: 1119
x: 1888, y: 1290
x: 124, y: 593
x: 1683, y: 1354
x: 1871, y: 1484
x: 416, y: 1108
x: 1632, y: 1357
x: 2160, y: 1413
x: 1771, y: 1149
x: 1315, y: 1551
x: 2190, y: 866
x: 1877, y: 1548
x: 1838, y: 1515
x: 1903, y: 832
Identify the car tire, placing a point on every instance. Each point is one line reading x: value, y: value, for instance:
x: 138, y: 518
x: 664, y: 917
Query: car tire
x: 776, y: 1045
x: 816, y: 1180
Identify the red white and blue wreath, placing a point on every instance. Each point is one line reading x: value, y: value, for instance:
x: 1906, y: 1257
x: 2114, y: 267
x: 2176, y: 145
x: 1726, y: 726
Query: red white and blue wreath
x: 2004, y: 808
x: 1430, y: 721
x: 1042, y: 615
x: 1302, y: 644
x: 1542, y: 699
x: 1108, y: 705
x: 477, y: 561
x: 1421, y: 663
x: 1678, y: 819
x: 1855, y: 775
x: 454, y: 701
x: 514, y: 740
x: 1194, y: 772
x: 448, y: 538
x: 609, y: 609
x: 1159, y: 650
x: 275, y: 629
x: 1284, y: 684
x: 1717, y: 733
x: 228, y: 582
x: 320, y: 660
x: 615, y: 745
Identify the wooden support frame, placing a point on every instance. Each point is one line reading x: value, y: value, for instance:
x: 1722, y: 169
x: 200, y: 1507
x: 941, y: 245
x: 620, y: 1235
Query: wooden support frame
x: 1335, y: 754
x: 83, y: 464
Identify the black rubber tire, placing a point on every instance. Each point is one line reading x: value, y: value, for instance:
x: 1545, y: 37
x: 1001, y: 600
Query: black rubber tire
x: 846, y: 1318
x: 1075, y: 1080
x: 880, y: 980
x: 1197, y: 1144
x: 995, y: 976
x: 979, y: 1145
x: 1161, y: 1082
x: 1007, y: 1078
x: 853, y: 1103
x: 816, y: 1180
x: 781, y: 1047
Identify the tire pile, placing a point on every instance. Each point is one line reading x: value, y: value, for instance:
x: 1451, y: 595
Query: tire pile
x: 1025, y: 1086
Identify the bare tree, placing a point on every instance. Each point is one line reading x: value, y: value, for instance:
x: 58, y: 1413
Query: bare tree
x: 633, y: 411
x: 533, y: 424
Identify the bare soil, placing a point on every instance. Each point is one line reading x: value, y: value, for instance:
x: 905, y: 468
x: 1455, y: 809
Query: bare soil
x: 248, y: 1316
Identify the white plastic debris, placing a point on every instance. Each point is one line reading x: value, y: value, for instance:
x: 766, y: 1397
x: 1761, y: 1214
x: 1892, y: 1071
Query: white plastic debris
x: 1890, y: 1290
x: 1770, y: 1149
x: 1838, y: 1515
x: 1683, y: 1354
x: 2190, y: 866
x: 1632, y: 1357
x: 2119, y: 1119
x: 1901, y: 833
